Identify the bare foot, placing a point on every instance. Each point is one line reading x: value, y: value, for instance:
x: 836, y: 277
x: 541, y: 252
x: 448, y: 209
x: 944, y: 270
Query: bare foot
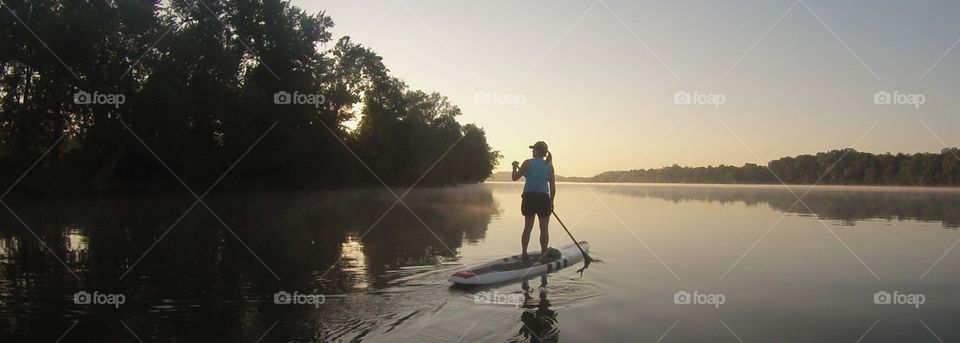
x: 524, y: 257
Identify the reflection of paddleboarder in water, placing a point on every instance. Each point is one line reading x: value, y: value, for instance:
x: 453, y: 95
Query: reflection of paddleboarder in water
x: 539, y: 321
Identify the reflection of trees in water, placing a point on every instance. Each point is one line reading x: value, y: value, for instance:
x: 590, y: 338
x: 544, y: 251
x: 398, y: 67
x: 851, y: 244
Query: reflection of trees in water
x: 449, y: 216
x: 298, y: 235
x: 292, y: 232
x: 847, y: 205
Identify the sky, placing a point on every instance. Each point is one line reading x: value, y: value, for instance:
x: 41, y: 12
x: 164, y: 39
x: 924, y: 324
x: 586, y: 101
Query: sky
x: 616, y: 85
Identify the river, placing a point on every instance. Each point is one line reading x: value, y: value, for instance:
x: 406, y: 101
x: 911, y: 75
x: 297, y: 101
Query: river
x: 678, y: 263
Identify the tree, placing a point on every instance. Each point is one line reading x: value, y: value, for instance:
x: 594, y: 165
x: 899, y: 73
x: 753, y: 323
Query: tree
x: 840, y: 167
x: 199, y: 79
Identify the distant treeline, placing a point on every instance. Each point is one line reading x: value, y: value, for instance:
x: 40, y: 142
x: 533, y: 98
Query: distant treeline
x: 837, y: 167
x: 199, y: 83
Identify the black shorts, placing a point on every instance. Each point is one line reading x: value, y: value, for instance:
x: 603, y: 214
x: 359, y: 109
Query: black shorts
x: 536, y: 203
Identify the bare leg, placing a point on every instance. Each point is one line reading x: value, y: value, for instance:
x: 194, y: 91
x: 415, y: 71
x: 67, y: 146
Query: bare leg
x: 525, y: 238
x: 544, y: 235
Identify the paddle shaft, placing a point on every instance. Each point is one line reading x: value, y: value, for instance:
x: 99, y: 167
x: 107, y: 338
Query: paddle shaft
x: 586, y: 258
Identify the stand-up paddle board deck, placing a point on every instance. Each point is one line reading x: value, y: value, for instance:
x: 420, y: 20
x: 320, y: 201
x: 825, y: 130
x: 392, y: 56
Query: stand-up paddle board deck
x: 512, y: 268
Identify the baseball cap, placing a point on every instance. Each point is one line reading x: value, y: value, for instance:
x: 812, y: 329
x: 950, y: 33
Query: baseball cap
x: 540, y: 145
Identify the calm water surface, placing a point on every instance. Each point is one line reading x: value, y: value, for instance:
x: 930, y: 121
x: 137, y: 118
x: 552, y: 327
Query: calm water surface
x: 771, y: 269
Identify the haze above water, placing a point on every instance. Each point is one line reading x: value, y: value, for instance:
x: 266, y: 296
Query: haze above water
x: 787, y: 271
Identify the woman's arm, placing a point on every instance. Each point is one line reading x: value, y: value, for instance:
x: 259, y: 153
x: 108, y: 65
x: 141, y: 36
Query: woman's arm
x: 553, y: 187
x: 519, y: 171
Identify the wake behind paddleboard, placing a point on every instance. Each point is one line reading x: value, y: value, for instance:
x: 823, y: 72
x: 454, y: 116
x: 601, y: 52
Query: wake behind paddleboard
x: 512, y: 268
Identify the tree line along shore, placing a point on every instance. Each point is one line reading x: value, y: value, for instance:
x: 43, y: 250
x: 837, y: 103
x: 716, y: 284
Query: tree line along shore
x: 121, y: 93
x: 836, y: 167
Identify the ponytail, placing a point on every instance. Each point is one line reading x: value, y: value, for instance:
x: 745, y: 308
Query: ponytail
x: 549, y: 158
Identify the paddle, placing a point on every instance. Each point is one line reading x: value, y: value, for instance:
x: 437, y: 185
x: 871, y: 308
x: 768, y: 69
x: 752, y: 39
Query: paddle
x: 586, y: 258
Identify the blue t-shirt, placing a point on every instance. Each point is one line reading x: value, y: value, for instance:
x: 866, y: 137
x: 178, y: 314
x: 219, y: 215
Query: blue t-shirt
x: 537, y: 175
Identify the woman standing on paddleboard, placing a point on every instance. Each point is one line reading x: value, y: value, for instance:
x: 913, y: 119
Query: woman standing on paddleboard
x: 539, y: 190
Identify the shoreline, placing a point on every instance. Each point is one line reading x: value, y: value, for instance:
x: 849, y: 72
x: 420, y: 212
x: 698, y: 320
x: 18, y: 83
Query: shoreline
x: 757, y: 185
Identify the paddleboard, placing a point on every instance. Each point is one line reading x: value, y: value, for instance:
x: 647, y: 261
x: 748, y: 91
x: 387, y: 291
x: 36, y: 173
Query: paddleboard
x: 512, y: 268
